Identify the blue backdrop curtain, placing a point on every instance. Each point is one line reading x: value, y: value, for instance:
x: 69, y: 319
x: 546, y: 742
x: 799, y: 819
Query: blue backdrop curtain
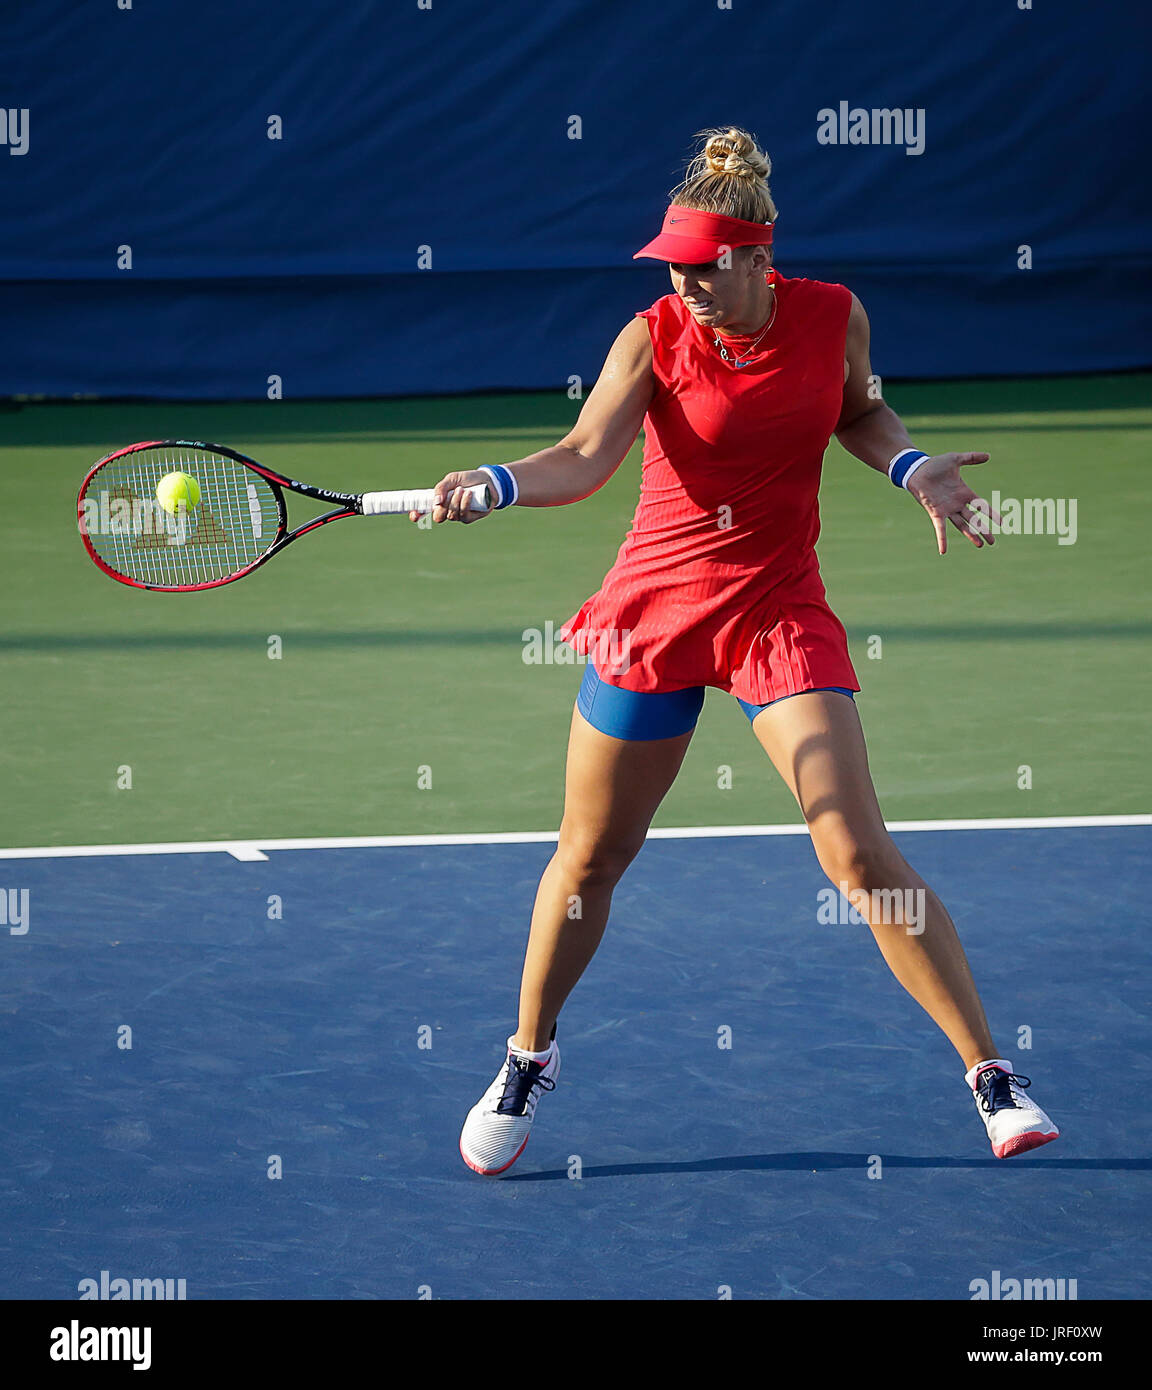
x: 444, y: 195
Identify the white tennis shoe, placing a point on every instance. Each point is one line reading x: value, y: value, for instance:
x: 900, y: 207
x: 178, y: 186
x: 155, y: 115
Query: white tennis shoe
x: 498, y: 1125
x: 1015, y: 1123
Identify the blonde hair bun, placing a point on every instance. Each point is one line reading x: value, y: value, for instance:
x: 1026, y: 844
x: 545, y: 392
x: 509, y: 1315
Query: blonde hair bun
x: 734, y: 152
x: 728, y: 175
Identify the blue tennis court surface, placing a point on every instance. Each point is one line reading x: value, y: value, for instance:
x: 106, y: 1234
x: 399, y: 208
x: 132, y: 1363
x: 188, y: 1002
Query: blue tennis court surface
x: 702, y: 1167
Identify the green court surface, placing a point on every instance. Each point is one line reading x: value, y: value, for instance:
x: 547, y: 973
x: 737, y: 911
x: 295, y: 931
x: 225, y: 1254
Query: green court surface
x: 403, y: 649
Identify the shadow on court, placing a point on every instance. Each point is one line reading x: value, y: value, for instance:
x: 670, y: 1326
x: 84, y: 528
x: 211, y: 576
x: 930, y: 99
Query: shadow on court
x: 409, y: 637
x: 827, y: 1162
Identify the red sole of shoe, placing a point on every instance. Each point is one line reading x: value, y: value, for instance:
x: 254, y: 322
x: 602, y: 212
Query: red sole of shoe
x: 493, y: 1172
x: 1023, y: 1143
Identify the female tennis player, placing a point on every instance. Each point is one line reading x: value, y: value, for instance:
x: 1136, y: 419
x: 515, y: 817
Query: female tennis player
x: 739, y: 378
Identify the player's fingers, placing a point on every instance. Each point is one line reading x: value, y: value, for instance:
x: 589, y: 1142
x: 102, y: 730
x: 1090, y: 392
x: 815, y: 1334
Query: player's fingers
x: 941, y: 528
x: 989, y: 511
x: 442, y: 493
x: 964, y: 523
x: 963, y: 459
x: 960, y: 521
x: 470, y: 512
x: 453, y: 501
x: 983, y: 518
x: 449, y: 491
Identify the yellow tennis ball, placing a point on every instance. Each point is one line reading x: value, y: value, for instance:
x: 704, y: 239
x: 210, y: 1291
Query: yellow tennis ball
x: 176, y: 488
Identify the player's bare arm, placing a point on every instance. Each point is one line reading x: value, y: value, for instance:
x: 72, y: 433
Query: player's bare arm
x: 872, y: 431
x: 588, y: 455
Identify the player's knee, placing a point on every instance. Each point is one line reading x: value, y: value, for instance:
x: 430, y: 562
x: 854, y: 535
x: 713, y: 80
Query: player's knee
x: 594, y: 861
x: 859, y: 862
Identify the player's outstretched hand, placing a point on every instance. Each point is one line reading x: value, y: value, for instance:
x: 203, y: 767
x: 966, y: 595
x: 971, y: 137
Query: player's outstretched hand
x: 450, y: 498
x: 946, y: 497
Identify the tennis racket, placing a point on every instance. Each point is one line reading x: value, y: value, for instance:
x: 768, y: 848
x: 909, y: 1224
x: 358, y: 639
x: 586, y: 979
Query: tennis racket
x: 238, y: 520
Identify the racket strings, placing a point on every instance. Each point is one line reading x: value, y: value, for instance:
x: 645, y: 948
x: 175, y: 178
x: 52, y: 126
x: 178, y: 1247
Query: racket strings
x: 237, y: 518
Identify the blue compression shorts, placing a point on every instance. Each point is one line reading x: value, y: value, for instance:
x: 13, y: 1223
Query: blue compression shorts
x: 642, y: 716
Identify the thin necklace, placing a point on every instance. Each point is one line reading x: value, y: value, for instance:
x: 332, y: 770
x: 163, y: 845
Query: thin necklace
x: 743, y: 359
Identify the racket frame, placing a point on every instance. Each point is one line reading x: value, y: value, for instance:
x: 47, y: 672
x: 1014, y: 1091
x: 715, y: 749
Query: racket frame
x: 347, y: 504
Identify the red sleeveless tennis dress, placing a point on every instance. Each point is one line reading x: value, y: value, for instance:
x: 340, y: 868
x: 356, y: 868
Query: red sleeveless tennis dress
x: 717, y: 582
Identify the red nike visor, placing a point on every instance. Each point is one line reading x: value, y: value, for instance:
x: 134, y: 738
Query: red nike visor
x: 690, y: 237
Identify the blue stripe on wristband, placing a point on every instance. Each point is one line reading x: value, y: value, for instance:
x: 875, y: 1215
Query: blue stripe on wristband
x: 503, y: 484
x: 904, y: 465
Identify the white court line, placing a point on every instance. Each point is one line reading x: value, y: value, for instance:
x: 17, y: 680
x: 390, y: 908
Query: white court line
x: 252, y: 850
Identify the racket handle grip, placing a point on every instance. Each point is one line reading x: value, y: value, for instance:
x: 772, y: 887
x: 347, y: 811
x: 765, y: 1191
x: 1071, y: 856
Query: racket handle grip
x: 394, y: 503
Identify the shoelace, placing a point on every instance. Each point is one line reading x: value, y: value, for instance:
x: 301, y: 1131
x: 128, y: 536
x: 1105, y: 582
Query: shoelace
x: 518, y: 1087
x: 995, y: 1089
